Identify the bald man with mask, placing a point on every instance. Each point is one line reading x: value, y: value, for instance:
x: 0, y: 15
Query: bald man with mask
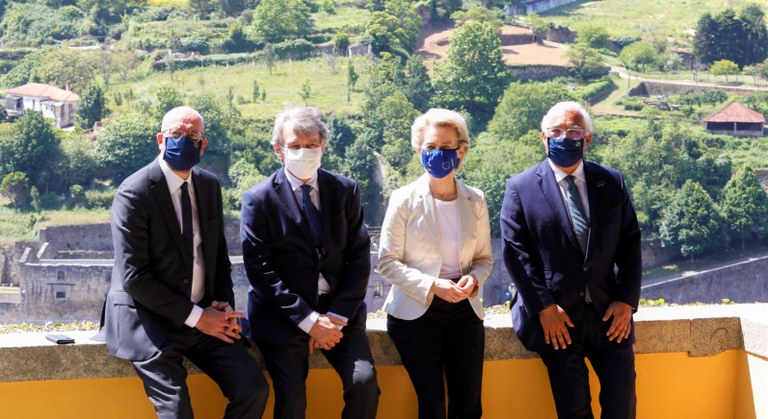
x: 171, y: 295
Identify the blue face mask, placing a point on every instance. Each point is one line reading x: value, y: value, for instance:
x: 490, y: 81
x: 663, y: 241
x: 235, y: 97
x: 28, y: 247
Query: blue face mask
x: 440, y: 162
x: 565, y: 152
x: 182, y: 153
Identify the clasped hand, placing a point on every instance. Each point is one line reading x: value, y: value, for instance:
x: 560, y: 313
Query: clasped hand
x: 454, y: 292
x: 325, y: 333
x: 220, y: 321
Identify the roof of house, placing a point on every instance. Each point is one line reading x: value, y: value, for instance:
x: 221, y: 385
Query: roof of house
x: 736, y: 112
x: 44, y: 91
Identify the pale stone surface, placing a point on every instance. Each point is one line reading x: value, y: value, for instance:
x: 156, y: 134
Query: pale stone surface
x: 698, y: 330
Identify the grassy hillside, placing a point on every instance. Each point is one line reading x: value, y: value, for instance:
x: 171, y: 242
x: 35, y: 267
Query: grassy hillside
x: 328, y: 90
x: 642, y: 17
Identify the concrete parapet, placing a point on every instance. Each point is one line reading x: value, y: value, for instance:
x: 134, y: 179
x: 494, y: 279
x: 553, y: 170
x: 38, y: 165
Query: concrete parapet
x: 699, y: 331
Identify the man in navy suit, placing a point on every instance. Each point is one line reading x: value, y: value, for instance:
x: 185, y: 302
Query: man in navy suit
x: 307, y: 255
x: 171, y: 295
x: 571, y: 244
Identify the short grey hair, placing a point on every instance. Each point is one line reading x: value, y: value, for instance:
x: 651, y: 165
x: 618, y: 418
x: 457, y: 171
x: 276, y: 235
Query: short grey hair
x: 439, y: 118
x: 561, y: 108
x: 306, y: 120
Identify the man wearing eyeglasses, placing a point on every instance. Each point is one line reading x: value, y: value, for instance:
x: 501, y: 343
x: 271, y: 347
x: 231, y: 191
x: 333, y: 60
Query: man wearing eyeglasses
x: 571, y: 244
x: 171, y: 295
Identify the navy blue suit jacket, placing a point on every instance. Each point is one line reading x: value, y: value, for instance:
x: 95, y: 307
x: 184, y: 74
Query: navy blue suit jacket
x: 544, y: 259
x: 283, y: 265
x: 151, y: 281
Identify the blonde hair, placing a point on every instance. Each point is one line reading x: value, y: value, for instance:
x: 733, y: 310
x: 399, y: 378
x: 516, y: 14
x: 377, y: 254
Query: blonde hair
x: 439, y: 118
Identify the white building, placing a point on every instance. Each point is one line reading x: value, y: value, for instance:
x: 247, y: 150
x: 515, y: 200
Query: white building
x: 54, y: 103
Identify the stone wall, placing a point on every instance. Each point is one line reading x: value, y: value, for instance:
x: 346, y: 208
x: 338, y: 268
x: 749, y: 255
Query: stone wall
x: 743, y: 282
x: 539, y: 71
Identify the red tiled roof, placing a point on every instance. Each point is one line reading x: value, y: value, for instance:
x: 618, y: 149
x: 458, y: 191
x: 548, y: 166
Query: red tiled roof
x: 44, y: 90
x: 736, y: 112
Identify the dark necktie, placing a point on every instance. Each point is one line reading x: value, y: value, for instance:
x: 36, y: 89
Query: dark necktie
x: 311, y: 214
x: 579, y: 219
x: 186, y: 221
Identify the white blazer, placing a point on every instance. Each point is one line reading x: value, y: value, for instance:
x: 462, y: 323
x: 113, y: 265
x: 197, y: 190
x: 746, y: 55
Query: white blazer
x: 409, y: 252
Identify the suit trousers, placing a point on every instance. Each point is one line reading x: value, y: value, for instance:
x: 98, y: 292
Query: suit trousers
x: 288, y: 366
x: 447, y: 339
x: 236, y: 372
x: 614, y: 364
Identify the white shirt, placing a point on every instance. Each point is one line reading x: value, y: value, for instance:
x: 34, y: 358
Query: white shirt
x: 322, y: 285
x: 580, y: 181
x: 448, y: 223
x: 198, y: 265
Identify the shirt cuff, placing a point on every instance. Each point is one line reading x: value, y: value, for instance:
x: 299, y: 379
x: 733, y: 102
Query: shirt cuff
x: 309, y: 321
x: 194, y: 316
x: 340, y: 317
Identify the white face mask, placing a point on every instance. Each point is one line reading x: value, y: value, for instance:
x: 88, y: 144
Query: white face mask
x: 302, y: 162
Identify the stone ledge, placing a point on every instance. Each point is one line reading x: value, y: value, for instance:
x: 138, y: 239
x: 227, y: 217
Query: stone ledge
x: 696, y: 330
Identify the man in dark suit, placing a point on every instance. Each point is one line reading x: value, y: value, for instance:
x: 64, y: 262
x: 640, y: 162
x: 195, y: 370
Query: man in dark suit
x: 571, y: 244
x: 307, y: 255
x: 171, y: 295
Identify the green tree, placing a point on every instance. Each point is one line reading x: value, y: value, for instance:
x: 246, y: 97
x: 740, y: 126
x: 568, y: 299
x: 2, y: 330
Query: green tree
x: 201, y: 8
x: 15, y: 186
x: 745, y: 206
x: 691, y: 223
x: 305, y: 92
x: 538, y: 27
x: 269, y: 59
x: 67, y: 68
x: 126, y: 145
x: 341, y: 43
x: 221, y: 121
x: 639, y: 55
x: 593, y: 35
x: 78, y: 166
x: 586, y: 61
x: 255, y: 91
x: 31, y: 148
x: 91, y: 107
x: 397, y: 114
x: 277, y: 20
x: 724, y: 68
x: 418, y: 86
x: 523, y: 106
x: 395, y: 29
x: 168, y: 97
x: 474, y: 75
x: 493, y: 16
x: 363, y: 166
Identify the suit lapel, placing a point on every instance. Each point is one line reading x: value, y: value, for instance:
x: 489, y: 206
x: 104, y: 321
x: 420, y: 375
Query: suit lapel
x: 162, y: 195
x: 285, y: 193
x: 328, y: 202
x: 554, y: 198
x: 594, y: 183
x: 202, y: 200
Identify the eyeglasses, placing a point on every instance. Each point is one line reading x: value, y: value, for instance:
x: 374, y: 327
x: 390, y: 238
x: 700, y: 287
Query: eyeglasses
x: 572, y: 133
x: 194, y: 135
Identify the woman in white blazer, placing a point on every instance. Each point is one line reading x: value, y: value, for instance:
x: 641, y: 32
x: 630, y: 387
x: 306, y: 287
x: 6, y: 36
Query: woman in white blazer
x: 436, y: 251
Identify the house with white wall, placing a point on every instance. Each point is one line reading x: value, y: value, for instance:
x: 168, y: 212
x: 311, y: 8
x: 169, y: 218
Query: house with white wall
x: 54, y: 103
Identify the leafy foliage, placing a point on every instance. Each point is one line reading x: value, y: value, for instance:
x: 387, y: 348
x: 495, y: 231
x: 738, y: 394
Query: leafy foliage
x: 474, y: 75
x: 277, y: 20
x: 31, y: 147
x: 91, y: 107
x: 742, y: 38
x: 691, y: 221
x: 127, y: 144
x: 745, y: 206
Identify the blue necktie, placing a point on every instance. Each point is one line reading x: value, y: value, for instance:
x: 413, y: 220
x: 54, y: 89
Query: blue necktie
x: 311, y: 214
x: 186, y: 222
x: 579, y: 219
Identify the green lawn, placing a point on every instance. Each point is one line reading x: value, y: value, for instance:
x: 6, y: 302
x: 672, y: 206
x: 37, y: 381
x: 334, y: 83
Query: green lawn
x: 328, y: 90
x: 642, y: 17
x: 350, y: 17
x: 22, y: 225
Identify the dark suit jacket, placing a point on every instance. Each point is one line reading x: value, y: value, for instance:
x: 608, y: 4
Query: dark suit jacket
x: 283, y: 265
x: 151, y: 283
x: 544, y: 259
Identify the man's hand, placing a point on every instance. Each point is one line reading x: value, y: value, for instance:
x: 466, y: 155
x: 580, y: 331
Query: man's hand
x: 324, y: 334
x: 468, y: 284
x: 621, y: 325
x: 220, y: 321
x: 554, y: 321
x: 448, y: 290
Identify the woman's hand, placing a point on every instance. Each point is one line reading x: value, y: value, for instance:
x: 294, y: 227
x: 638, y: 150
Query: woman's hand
x: 449, y: 290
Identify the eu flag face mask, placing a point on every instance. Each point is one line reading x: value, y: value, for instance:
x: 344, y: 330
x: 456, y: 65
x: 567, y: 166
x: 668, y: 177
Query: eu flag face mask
x: 564, y: 151
x: 440, y: 162
x: 182, y: 153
